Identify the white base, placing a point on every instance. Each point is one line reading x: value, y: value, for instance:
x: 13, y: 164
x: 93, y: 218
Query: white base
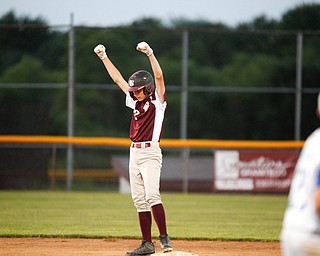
x: 175, y: 253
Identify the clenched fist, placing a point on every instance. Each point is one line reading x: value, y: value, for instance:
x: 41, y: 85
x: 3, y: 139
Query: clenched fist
x: 100, y: 50
x: 145, y: 48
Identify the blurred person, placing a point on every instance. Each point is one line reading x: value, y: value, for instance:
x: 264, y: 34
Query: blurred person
x: 300, y: 235
x: 147, y: 99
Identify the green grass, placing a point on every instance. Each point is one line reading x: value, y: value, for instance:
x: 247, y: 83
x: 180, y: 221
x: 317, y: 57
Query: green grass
x: 101, y: 214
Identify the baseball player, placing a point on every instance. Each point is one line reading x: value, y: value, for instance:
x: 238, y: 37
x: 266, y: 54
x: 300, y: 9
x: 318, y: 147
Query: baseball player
x: 147, y: 98
x: 300, y: 234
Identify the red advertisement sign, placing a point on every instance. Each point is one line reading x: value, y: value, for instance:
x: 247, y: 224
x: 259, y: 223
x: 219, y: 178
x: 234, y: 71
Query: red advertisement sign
x: 253, y: 171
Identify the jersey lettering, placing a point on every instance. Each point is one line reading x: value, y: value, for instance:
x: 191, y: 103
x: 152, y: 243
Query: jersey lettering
x: 136, y: 112
x: 146, y: 106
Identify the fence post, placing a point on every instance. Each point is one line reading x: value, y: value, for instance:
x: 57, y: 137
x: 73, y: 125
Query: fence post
x: 184, y: 109
x: 53, y: 171
x: 297, y: 129
x: 70, y: 105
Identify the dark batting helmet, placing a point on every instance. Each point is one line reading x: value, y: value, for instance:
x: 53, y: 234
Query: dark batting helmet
x: 141, y: 79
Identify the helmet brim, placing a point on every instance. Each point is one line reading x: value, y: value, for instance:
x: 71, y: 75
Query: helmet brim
x: 134, y: 89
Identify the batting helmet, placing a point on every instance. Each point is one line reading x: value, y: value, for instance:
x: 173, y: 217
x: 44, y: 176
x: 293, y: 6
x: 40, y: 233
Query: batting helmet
x: 141, y: 79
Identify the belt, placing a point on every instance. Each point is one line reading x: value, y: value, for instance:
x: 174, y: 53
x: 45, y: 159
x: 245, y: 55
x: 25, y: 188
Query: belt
x: 141, y: 144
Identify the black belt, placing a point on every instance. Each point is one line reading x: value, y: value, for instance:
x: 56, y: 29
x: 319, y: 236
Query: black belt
x: 141, y: 144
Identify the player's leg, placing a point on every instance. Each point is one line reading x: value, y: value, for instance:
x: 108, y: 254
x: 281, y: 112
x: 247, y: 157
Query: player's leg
x: 143, y: 208
x: 150, y: 171
x: 160, y: 219
x: 145, y: 221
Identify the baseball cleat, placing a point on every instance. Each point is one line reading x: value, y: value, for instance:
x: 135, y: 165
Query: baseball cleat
x: 165, y: 243
x: 145, y: 248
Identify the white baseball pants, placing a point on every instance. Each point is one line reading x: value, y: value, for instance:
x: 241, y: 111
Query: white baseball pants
x: 144, y: 170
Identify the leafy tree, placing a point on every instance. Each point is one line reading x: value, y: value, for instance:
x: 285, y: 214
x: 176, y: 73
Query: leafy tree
x: 302, y: 17
x: 259, y: 23
x: 147, y: 23
x: 31, y: 70
x: 16, y: 41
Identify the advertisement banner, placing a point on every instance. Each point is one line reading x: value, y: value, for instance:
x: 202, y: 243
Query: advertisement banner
x: 253, y: 171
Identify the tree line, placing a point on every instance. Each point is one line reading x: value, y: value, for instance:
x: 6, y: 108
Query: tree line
x: 257, y: 54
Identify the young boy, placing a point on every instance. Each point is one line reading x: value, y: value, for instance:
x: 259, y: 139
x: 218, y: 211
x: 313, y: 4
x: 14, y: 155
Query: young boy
x: 147, y: 98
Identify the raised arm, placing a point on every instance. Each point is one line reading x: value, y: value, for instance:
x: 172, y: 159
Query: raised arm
x: 114, y: 73
x: 156, y: 68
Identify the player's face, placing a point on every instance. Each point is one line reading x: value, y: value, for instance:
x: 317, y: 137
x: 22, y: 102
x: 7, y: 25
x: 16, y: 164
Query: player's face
x: 139, y: 95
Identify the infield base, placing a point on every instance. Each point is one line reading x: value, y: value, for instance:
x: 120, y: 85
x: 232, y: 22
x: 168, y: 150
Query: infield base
x: 174, y: 253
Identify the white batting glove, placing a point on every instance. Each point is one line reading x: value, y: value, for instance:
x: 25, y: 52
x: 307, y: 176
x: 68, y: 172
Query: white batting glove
x: 145, y: 48
x: 100, y: 50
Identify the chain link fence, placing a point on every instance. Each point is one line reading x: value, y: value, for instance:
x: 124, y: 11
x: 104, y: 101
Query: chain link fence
x: 221, y: 84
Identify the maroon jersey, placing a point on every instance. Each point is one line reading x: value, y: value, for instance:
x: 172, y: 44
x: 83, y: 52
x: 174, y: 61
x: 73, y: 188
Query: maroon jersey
x: 147, y: 118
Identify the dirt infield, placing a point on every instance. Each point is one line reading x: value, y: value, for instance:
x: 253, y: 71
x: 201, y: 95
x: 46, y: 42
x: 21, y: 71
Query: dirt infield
x: 117, y: 247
